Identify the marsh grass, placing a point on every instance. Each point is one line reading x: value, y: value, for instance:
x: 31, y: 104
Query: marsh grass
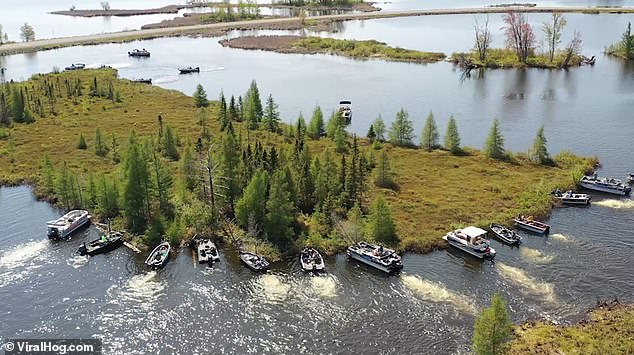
x: 506, y: 58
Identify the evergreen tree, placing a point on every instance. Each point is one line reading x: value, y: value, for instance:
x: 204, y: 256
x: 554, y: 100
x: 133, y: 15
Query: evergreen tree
x: 539, y: 152
x: 200, y: 97
x: 271, y: 118
x: 627, y: 42
x: 63, y: 186
x: 223, y: 115
x: 493, y: 329
x: 169, y: 145
x: 352, y: 178
x: 189, y: 173
x: 91, y: 198
x: 340, y: 140
x: 335, y: 124
x: 233, y: 109
x: 380, y: 223
x: 48, y: 175
x: 250, y: 208
x: 452, y: 138
x: 252, y: 106
x: 82, y: 142
x: 316, y: 127
x: 379, y: 128
x: 204, y: 127
x: 279, y: 211
x: 137, y: 187
x: 384, y: 176
x: 100, y: 147
x: 303, y: 180
x: 115, y: 152
x: 107, y: 198
x: 162, y: 181
x: 371, y: 134
x: 402, y: 132
x: 429, y: 137
x: 494, y: 147
x: 300, y: 130
x: 230, y: 162
x: 17, y: 105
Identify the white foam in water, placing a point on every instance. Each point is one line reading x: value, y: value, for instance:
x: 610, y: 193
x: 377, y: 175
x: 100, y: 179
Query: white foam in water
x: 561, y: 237
x: 436, y: 292
x: 120, y: 65
x: 527, y: 282
x: 324, y: 286
x: 143, y: 289
x: 78, y: 261
x: 536, y: 255
x: 207, y: 70
x: 272, y: 287
x: 22, y: 254
x: 617, y: 204
x: 165, y: 79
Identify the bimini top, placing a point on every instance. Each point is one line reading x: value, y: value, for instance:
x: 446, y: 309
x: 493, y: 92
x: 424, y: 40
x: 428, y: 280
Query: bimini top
x: 345, y: 102
x: 473, y: 231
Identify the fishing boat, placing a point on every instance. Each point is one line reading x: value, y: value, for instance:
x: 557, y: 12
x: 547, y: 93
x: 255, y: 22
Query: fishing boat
x: 531, y: 225
x: 376, y: 256
x: 608, y: 185
x: 207, y: 251
x: 77, y: 66
x: 143, y: 81
x: 630, y: 178
x: 311, y: 260
x: 571, y: 198
x: 139, y: 53
x: 158, y: 257
x: 345, y: 109
x: 471, y: 240
x: 506, y: 235
x: 65, y: 225
x: 253, y: 261
x: 106, y: 243
x: 189, y: 70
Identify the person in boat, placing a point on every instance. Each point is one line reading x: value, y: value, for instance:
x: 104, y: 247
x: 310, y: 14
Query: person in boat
x: 104, y: 239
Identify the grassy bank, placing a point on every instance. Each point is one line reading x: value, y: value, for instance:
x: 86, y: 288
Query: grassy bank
x: 435, y: 191
x: 609, y: 330
x: 506, y: 58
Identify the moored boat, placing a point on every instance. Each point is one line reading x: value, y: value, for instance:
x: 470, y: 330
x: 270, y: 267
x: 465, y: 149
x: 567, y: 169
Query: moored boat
x: 106, y: 243
x: 67, y: 224
x: 608, y: 185
x: 76, y: 66
x: 384, y: 259
x: 189, y: 70
x: 159, y: 256
x: 139, y: 53
x: 253, y: 261
x: 571, y: 198
x: 471, y: 240
x: 345, y: 109
x: 506, y: 235
x: 207, y: 251
x: 531, y: 225
x: 311, y: 260
x: 630, y: 178
x: 143, y: 81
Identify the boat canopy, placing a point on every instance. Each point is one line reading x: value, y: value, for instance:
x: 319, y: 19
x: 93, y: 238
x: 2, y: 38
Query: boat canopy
x: 473, y: 232
x: 345, y: 102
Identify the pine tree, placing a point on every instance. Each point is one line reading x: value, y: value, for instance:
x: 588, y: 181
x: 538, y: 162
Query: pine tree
x: 316, y: 127
x: 223, y: 115
x: 82, y: 142
x: 384, y: 177
x: 271, y: 118
x: 340, y: 139
x: 230, y: 162
x: 539, y: 152
x: 91, y: 198
x: 162, y: 181
x: 169, y: 145
x: 402, y: 132
x: 233, y: 110
x: 200, y: 97
x: 48, y: 175
x: 252, y: 106
x: 137, y: 187
x: 452, y: 138
x: 107, y: 198
x: 379, y: 128
x: 300, y: 127
x: 371, y: 134
x: 189, y: 173
x: 335, y: 124
x: 493, y: 329
x: 429, y: 137
x: 100, y: 147
x: 380, y: 223
x: 115, y: 152
x: 250, y: 208
x: 494, y: 147
x: 17, y: 105
x: 303, y: 180
x: 279, y: 211
x: 352, y: 178
x: 63, y: 186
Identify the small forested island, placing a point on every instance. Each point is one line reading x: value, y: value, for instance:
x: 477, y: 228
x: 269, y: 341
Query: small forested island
x: 349, y: 48
x: 162, y: 165
x: 521, y: 46
x: 625, y: 47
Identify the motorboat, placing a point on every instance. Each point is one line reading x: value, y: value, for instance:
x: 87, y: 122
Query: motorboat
x: 608, y: 185
x: 76, y: 66
x: 106, y: 243
x: 345, y: 109
x: 375, y: 255
x: 506, y: 235
x: 159, y: 256
x: 571, y: 198
x: 189, y: 70
x: 65, y: 225
x: 139, y: 53
x: 630, y: 178
x: 143, y: 81
x: 471, y: 240
x: 531, y: 225
x: 311, y: 260
x: 207, y: 251
x: 254, y: 262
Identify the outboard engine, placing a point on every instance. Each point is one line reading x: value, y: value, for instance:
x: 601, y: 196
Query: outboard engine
x: 82, y: 249
x: 53, y: 233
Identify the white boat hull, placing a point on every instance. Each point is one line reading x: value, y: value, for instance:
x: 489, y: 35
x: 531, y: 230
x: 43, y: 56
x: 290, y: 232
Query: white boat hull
x: 604, y: 189
x: 57, y: 231
x: 368, y: 262
x: 575, y: 201
x: 477, y: 254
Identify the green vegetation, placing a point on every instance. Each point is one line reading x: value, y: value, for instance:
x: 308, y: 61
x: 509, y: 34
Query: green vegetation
x: 452, y: 137
x: 364, y: 50
x: 493, y: 329
x: 402, y: 130
x: 317, y: 2
x: 624, y: 48
x: 173, y: 172
x: 608, y: 331
x: 227, y: 12
x: 429, y: 137
x: 494, y: 146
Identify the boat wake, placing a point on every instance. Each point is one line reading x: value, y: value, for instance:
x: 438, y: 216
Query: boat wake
x: 527, y: 282
x: 212, y: 69
x: 165, y: 79
x: 324, y: 286
x: 617, y: 204
x: 142, y: 289
x: 22, y: 254
x: 77, y: 261
x: 435, y: 292
x: 120, y: 65
x: 272, y: 287
x: 536, y: 255
x: 562, y: 237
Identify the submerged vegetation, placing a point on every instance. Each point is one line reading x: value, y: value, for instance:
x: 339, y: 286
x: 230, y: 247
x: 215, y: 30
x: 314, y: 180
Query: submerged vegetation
x: 166, y: 166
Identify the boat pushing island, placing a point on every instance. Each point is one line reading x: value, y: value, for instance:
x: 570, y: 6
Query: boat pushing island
x: 384, y: 259
x: 608, y: 185
x: 345, y: 109
x: 471, y: 240
x: 159, y: 256
x: 67, y: 224
x: 531, y: 225
x: 571, y: 198
x: 506, y: 235
x: 139, y: 53
x: 106, y: 243
x: 189, y: 70
x: 311, y: 260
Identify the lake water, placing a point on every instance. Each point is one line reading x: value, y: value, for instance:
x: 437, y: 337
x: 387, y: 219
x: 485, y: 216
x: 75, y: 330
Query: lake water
x: 430, y: 307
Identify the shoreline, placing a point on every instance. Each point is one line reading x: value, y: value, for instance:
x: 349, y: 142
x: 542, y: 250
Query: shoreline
x: 274, y: 23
